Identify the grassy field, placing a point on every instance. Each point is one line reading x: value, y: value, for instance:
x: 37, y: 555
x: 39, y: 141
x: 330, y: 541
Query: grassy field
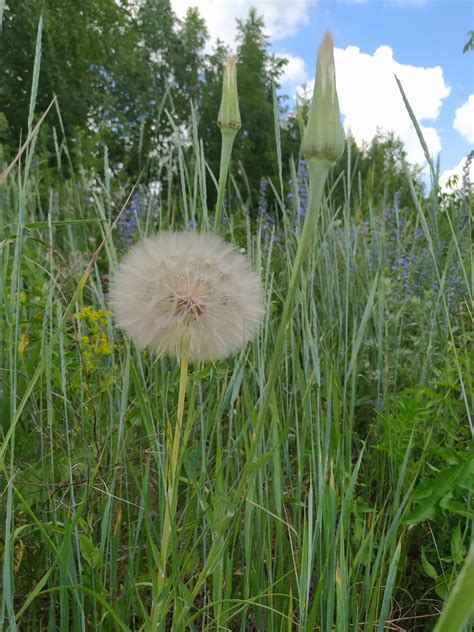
x: 347, y: 507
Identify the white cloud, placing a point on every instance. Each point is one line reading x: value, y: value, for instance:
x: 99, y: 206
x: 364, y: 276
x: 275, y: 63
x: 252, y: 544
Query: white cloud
x: 282, y: 18
x: 464, y: 120
x: 294, y: 73
x: 370, y: 99
x: 458, y: 172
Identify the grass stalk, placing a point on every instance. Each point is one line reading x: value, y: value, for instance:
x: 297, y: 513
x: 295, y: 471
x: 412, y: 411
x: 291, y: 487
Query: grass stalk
x: 460, y: 604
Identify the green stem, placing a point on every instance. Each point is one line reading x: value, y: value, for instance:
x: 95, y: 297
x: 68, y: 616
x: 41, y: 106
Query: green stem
x: 228, y: 136
x: 172, y: 487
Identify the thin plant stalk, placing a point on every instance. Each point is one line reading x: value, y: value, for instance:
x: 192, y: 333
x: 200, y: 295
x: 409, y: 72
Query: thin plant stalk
x: 228, y: 136
x: 228, y: 120
x: 172, y: 480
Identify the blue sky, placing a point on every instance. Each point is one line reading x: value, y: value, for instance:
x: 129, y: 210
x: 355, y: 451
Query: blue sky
x: 420, y: 40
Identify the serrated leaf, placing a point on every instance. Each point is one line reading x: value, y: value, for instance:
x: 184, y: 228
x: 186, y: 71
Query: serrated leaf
x: 441, y: 589
x: 443, y: 482
x: 89, y: 552
x: 458, y: 550
x: 455, y: 507
x: 262, y: 460
x: 420, y: 514
x: 429, y: 569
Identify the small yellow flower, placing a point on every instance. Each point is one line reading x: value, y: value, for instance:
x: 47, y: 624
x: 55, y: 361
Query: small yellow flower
x: 22, y: 343
x: 103, y: 347
x: 338, y: 576
x: 19, y: 552
x: 94, y: 342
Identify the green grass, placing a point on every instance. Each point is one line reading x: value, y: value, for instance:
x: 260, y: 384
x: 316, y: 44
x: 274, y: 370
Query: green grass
x: 352, y: 508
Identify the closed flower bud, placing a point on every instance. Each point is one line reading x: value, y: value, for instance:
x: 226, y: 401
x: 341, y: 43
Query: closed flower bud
x: 229, y: 114
x: 324, y: 136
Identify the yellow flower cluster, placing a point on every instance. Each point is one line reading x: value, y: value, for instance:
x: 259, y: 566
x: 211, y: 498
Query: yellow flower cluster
x: 22, y: 343
x: 93, y: 339
x: 94, y: 315
x: 23, y: 298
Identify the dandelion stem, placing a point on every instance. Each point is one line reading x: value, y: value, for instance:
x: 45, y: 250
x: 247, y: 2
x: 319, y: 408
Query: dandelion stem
x: 172, y: 482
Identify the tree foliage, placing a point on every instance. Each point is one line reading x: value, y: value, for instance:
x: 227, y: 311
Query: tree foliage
x: 80, y: 47
x: 469, y: 45
x: 127, y: 76
x: 257, y: 71
x: 381, y: 167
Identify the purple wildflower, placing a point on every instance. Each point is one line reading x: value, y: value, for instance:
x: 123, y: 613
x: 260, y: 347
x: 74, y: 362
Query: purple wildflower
x: 134, y: 217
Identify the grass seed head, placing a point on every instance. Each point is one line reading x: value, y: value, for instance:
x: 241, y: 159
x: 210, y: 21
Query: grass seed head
x: 184, y: 290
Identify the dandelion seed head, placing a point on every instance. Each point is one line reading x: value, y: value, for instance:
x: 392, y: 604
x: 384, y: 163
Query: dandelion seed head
x: 185, y: 290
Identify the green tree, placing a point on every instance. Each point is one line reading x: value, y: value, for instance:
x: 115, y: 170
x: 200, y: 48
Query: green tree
x: 469, y: 45
x: 188, y: 65
x: 79, y: 50
x: 154, y: 80
x: 117, y: 74
x: 379, y: 174
x: 257, y: 71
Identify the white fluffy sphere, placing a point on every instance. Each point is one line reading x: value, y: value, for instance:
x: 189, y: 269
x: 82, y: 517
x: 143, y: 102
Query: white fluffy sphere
x: 185, y: 290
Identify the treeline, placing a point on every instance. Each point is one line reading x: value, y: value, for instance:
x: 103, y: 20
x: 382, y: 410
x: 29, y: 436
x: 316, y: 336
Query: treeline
x: 132, y: 77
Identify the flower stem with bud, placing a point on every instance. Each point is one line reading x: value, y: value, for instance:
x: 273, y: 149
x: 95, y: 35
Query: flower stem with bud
x: 323, y: 144
x: 228, y: 121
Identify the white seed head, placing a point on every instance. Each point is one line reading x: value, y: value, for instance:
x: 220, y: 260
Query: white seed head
x: 185, y: 290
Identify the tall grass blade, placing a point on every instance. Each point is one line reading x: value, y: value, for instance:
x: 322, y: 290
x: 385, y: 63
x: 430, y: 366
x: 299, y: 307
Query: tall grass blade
x: 460, y: 604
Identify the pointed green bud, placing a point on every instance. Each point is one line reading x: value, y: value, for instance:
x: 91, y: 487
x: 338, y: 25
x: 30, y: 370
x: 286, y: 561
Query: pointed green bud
x: 324, y: 135
x: 229, y: 114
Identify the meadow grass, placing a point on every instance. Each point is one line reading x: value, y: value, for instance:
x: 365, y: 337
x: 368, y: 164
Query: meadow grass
x: 350, y: 509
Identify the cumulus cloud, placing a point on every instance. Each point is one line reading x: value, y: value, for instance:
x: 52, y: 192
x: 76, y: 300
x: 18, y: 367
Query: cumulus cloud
x: 464, y: 120
x: 295, y: 71
x: 281, y: 18
x: 369, y: 97
x: 457, y: 171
